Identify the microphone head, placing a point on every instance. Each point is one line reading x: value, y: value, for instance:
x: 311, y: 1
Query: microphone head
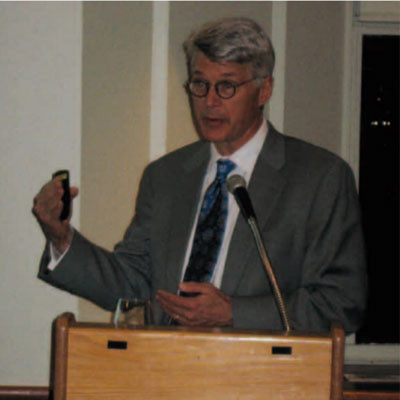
x: 234, y: 182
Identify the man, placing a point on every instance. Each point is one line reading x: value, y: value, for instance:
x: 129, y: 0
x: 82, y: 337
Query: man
x: 196, y: 259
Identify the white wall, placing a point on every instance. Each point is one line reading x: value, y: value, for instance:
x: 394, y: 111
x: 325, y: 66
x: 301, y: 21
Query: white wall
x: 40, y: 129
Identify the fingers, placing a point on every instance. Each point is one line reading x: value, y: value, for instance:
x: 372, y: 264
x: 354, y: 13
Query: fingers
x: 47, y: 207
x: 211, y: 307
x: 74, y: 191
x: 178, y: 308
x: 202, y: 288
x: 173, y: 302
x: 195, y: 287
x: 47, y: 203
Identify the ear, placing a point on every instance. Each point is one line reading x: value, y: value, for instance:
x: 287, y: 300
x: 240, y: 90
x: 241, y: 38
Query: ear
x: 265, y: 92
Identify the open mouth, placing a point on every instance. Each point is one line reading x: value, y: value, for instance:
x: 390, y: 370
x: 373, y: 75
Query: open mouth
x: 213, y: 121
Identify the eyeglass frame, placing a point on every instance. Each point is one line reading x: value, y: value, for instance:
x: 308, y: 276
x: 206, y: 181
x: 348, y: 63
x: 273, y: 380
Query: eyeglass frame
x: 208, y: 85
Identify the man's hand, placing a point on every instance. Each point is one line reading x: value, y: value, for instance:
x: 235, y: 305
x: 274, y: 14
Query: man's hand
x: 210, y: 307
x: 47, y: 206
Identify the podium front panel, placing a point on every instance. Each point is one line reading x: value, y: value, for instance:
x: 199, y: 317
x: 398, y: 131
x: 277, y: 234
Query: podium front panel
x: 176, y: 363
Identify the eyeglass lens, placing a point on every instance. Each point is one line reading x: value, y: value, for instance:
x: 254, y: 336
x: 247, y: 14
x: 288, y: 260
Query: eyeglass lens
x: 224, y: 89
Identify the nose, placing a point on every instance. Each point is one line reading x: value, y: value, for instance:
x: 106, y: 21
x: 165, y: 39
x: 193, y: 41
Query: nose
x: 212, y: 99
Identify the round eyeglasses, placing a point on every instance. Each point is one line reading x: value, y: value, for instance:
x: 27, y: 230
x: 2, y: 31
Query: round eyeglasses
x: 224, y: 89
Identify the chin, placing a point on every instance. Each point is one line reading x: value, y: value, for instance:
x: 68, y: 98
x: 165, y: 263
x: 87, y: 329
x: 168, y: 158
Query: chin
x: 213, y: 135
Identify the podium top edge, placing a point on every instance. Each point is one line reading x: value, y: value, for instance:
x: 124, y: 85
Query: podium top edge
x: 181, y: 330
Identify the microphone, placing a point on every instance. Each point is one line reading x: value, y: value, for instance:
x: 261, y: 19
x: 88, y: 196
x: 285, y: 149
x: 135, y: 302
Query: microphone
x: 237, y: 186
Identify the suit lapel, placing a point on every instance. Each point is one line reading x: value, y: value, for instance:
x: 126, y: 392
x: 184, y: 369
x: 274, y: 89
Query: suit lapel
x: 183, y: 211
x: 265, y: 187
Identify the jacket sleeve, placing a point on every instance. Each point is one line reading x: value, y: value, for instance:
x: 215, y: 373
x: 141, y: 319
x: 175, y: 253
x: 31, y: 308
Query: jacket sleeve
x: 101, y: 276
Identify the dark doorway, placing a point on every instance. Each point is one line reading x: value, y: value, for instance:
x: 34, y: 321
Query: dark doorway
x: 379, y: 185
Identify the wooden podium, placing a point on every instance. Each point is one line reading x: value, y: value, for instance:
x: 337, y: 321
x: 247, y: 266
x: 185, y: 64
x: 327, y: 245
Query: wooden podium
x: 99, y: 361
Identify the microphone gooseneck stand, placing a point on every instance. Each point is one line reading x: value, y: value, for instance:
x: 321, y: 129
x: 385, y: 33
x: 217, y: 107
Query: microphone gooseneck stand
x: 237, y: 186
x: 264, y: 258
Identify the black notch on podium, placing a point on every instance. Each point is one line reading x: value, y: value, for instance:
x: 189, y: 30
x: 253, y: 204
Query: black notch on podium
x: 282, y: 350
x: 117, y: 345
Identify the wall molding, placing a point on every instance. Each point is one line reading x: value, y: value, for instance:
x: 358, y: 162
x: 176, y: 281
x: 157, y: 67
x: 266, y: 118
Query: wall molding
x: 159, y: 79
x: 278, y: 38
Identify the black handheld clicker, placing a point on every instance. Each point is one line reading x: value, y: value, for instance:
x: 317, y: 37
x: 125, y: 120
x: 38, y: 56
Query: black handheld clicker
x: 66, y: 199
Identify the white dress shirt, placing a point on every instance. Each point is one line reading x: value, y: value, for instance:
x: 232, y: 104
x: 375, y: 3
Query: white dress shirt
x: 244, y: 158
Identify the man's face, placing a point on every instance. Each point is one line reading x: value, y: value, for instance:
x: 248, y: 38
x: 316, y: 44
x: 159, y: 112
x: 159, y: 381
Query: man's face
x: 228, y: 123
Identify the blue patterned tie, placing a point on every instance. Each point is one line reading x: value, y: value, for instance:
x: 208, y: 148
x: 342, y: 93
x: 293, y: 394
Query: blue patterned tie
x: 210, y: 227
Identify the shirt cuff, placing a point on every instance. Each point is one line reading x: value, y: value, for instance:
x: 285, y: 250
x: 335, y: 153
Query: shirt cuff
x: 56, y: 256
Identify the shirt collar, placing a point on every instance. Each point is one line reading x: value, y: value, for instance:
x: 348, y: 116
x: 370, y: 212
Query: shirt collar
x: 246, y: 156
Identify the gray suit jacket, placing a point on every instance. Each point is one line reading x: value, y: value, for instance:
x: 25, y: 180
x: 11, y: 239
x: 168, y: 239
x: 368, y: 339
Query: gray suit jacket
x: 307, y: 207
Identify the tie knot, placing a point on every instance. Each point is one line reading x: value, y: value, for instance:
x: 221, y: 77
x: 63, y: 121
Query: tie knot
x: 224, y: 167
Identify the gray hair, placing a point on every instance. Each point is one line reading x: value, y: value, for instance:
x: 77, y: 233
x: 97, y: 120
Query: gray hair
x: 239, y: 40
